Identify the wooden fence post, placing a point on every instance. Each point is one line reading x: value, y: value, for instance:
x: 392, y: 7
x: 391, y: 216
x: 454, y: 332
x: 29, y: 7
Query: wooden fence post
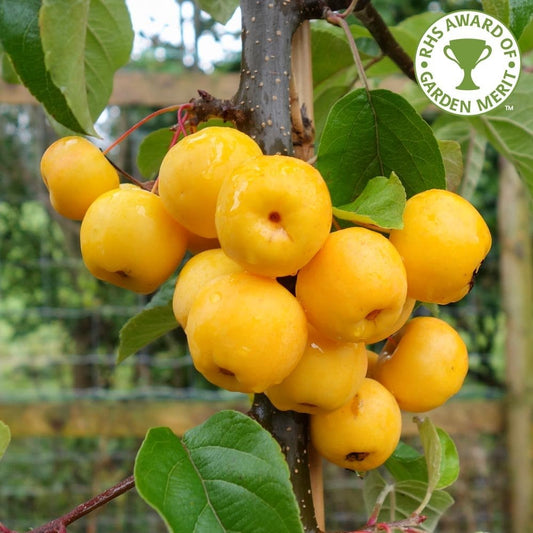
x: 516, y: 272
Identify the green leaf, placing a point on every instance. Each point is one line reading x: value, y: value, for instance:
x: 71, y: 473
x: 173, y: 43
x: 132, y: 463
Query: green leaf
x: 324, y: 99
x: 449, y: 467
x: 5, y: 438
x: 406, y: 464
x: 144, y: 328
x: 380, y: 204
x: 412, y: 92
x: 226, y: 475
x: 452, y: 158
x: 368, y: 135
x: 526, y: 39
x: 520, y: 15
x: 220, y: 10
x: 152, y: 150
x: 155, y: 320
x: 473, y: 165
x: 441, y: 455
x: 331, y: 52
x: 511, y: 131
x: 7, y: 72
x: 432, y: 450
x: 404, y: 498
x: 498, y: 9
x: 60, y: 20
x: 20, y: 36
x: 473, y: 145
x: 100, y: 37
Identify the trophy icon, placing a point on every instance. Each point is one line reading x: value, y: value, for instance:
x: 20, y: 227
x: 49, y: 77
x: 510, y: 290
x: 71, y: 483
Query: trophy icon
x: 467, y: 53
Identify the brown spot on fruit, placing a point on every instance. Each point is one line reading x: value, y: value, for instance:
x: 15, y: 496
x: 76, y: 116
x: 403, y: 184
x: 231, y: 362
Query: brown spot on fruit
x: 121, y: 273
x: 226, y: 372
x: 275, y: 217
x: 357, y: 456
x: 473, y: 278
x: 373, y: 314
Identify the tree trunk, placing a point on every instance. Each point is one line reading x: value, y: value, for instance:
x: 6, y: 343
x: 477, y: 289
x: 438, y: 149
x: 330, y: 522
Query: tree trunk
x: 264, y: 95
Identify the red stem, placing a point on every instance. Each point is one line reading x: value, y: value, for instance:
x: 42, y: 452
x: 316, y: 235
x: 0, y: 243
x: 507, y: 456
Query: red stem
x: 161, y: 111
x: 59, y: 524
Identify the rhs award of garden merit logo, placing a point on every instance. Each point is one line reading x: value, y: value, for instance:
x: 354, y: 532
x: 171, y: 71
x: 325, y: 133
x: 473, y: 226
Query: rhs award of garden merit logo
x: 467, y: 63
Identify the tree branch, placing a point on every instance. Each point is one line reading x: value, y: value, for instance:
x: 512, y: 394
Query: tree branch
x: 372, y: 20
x: 290, y: 429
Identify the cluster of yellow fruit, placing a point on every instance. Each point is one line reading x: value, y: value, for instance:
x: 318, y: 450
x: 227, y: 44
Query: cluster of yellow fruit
x: 260, y: 218
x: 127, y: 237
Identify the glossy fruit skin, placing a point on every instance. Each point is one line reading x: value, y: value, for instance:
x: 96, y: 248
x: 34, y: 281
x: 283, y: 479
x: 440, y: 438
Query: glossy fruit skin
x: 245, y: 333
x: 327, y: 376
x: 427, y: 364
x: 407, y: 309
x: 192, y: 172
x: 443, y: 242
x: 363, y: 433
x: 197, y: 272
x: 273, y: 215
x: 128, y: 239
x: 355, y: 287
x: 75, y: 173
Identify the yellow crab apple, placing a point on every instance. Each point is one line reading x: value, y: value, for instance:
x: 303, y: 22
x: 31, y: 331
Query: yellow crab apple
x: 355, y: 287
x: 362, y: 434
x: 443, y: 243
x: 75, y: 173
x: 196, y: 273
x: 128, y: 239
x: 425, y: 364
x: 326, y: 377
x: 192, y: 172
x: 245, y: 332
x: 273, y: 214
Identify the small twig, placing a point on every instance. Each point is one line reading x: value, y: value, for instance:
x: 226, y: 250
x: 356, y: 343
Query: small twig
x: 135, y: 181
x: 349, y: 10
x: 140, y: 123
x: 372, y: 20
x: 207, y: 106
x: 338, y: 20
x: 408, y: 525
x: 59, y: 524
x: 380, y: 500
